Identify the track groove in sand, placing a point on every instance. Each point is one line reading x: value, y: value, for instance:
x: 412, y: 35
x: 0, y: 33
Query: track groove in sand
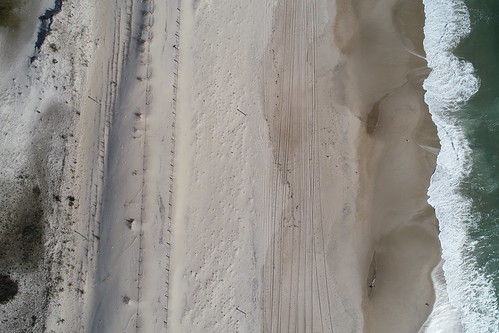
x: 134, y: 118
x: 105, y: 96
x: 296, y: 275
x: 104, y: 123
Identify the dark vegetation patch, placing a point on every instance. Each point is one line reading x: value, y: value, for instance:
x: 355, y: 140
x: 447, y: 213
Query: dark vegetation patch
x: 8, y: 288
x: 53, y: 47
x: 21, y: 225
x: 29, y: 204
x: 23, y: 203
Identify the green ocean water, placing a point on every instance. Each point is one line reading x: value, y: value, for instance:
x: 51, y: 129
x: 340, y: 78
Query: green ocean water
x: 479, y: 118
x: 462, y: 93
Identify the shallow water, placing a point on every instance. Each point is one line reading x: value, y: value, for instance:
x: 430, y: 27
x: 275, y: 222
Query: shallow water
x: 18, y: 24
x: 46, y: 23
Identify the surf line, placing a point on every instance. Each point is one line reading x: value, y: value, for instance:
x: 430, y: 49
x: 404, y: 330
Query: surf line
x: 46, y: 23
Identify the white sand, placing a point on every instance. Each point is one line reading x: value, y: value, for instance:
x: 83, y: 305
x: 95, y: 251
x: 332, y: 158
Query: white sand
x: 130, y: 286
x: 219, y: 170
x: 239, y: 164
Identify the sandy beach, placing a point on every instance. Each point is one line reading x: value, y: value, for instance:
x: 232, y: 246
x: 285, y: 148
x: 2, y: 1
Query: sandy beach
x: 229, y: 167
x: 397, y: 156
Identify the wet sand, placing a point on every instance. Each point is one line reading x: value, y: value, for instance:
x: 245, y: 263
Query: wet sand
x: 383, y: 49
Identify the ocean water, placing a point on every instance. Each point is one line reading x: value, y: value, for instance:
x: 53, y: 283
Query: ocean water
x: 462, y: 92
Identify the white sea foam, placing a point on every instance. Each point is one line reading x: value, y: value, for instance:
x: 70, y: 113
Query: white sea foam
x: 451, y: 83
x: 444, y: 317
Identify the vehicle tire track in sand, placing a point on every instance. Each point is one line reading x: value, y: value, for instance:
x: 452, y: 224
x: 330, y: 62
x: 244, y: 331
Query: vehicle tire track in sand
x: 130, y: 195
x: 106, y: 108
x: 297, y: 295
x: 106, y: 102
x: 316, y: 181
x: 104, y: 121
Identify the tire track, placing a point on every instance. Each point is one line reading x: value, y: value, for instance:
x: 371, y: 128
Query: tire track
x: 106, y: 113
x: 317, y: 170
x: 125, y: 19
x: 296, y: 272
x: 296, y: 84
x: 287, y: 70
x: 275, y: 216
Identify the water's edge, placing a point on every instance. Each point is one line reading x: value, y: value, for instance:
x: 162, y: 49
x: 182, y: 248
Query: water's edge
x: 449, y: 86
x: 46, y: 21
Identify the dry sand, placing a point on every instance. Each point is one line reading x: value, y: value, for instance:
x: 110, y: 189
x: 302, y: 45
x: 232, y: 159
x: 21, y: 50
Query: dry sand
x: 252, y: 166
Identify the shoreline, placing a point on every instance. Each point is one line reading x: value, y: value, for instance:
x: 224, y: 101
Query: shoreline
x: 459, y: 91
